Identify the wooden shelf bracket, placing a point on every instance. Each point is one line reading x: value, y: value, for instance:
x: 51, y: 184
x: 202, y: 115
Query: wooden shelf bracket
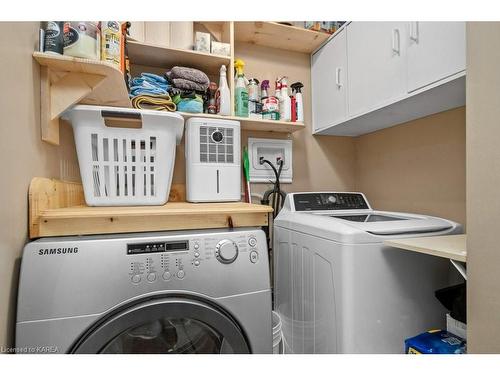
x: 59, y: 91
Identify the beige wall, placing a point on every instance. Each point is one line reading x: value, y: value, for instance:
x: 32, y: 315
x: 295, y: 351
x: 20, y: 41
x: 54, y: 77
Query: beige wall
x: 319, y: 163
x: 416, y: 167
x: 483, y: 181
x: 22, y: 156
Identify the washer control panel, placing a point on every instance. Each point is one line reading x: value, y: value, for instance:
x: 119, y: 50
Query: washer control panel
x: 329, y: 201
x: 164, y: 261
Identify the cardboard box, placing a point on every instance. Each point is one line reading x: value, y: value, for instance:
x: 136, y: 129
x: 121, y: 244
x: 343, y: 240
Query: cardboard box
x: 223, y: 49
x: 435, y: 342
x: 456, y: 327
x: 202, y: 42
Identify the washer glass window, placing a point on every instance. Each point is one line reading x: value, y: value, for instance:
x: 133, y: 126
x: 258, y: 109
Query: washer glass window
x: 165, y: 325
x: 172, y: 336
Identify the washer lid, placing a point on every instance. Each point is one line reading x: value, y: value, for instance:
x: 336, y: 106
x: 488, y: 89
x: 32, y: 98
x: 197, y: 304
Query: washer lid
x: 391, y: 224
x: 347, y: 217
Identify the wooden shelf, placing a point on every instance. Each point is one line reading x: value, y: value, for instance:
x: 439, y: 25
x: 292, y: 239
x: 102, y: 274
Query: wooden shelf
x: 163, y: 57
x: 57, y: 208
x: 276, y: 35
x: 68, y: 80
x: 254, y: 124
x: 451, y: 247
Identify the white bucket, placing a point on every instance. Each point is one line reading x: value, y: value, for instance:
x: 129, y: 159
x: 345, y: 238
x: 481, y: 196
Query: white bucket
x: 278, y: 347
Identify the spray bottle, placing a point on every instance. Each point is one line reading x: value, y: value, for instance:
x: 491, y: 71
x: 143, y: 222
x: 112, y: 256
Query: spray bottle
x: 293, y: 107
x: 297, y: 88
x: 223, y: 97
x: 285, y: 103
x: 240, y: 91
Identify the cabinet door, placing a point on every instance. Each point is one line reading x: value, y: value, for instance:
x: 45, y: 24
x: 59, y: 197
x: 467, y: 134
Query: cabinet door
x: 328, y: 74
x: 436, y: 50
x: 377, y: 64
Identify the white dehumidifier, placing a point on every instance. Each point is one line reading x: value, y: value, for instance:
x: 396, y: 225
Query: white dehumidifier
x: 213, y: 162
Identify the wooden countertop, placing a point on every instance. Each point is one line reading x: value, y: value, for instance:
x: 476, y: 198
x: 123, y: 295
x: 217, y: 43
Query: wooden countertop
x: 451, y: 247
x: 57, y: 208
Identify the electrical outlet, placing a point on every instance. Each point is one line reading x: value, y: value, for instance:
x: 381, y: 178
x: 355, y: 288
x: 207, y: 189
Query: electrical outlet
x: 272, y: 150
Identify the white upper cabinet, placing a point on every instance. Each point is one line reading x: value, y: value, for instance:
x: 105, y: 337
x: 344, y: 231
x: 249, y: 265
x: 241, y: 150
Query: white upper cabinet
x: 436, y: 50
x: 377, y: 64
x: 373, y: 75
x: 329, y: 86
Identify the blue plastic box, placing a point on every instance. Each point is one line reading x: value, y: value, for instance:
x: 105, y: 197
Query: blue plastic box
x: 435, y: 342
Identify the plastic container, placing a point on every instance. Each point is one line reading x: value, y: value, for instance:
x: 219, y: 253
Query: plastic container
x: 278, y: 345
x: 126, y: 156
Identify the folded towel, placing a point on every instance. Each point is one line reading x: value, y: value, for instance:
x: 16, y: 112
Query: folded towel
x: 149, y: 84
x: 189, y: 104
x: 186, y: 84
x: 156, y: 102
x: 188, y: 78
x: 190, y: 74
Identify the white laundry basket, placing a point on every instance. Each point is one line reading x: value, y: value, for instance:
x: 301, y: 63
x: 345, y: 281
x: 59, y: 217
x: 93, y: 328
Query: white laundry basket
x: 126, y: 156
x: 278, y: 344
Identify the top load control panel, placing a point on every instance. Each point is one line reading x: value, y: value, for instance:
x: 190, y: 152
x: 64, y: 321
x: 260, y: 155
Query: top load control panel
x: 329, y: 201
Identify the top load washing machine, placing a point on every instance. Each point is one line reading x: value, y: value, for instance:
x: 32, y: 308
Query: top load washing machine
x: 205, y: 291
x: 339, y: 289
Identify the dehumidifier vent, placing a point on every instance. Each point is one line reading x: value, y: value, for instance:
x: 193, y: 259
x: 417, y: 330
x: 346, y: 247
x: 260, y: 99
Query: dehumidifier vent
x: 216, y: 144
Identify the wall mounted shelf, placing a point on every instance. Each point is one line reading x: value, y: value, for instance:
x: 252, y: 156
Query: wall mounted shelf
x: 254, y: 124
x: 68, y: 80
x: 58, y: 208
x: 276, y: 35
x: 452, y: 247
x: 147, y: 54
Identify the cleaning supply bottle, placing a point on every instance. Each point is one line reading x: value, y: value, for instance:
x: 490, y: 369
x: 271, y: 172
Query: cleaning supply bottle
x: 293, y: 106
x: 264, y: 86
x: 240, y: 91
x: 297, y: 88
x: 223, y: 97
x: 285, y: 103
x: 277, y: 89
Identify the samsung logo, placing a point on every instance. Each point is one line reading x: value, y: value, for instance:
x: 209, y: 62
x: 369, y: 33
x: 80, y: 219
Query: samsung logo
x: 59, y: 250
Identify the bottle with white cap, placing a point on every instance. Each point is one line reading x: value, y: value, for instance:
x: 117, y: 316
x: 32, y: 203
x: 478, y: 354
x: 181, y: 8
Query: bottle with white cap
x: 285, y: 102
x: 223, y: 96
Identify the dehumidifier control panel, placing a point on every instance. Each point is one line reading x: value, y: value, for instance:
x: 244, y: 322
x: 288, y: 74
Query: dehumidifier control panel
x: 329, y: 201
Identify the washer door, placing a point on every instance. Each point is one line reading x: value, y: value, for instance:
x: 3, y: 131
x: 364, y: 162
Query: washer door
x: 169, y: 325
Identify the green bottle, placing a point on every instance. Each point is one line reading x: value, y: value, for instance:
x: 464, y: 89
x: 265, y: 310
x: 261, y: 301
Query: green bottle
x: 240, y: 91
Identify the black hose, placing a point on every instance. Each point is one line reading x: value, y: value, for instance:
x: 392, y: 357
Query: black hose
x: 275, y: 193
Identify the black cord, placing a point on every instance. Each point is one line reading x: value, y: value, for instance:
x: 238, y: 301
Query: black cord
x: 275, y: 193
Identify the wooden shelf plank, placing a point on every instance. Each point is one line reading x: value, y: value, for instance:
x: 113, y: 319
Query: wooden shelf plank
x: 451, y: 247
x: 163, y: 57
x: 276, y: 35
x: 57, y: 209
x: 251, y: 124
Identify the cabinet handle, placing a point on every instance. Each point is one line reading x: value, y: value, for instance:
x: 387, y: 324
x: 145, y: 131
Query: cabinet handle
x: 337, y: 78
x: 396, y: 41
x: 414, y: 31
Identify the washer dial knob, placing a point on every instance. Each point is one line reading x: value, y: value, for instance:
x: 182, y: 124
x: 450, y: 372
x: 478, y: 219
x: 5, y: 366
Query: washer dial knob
x: 332, y: 199
x: 226, y: 251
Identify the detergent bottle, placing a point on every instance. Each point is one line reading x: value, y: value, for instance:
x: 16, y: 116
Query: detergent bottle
x: 240, y: 91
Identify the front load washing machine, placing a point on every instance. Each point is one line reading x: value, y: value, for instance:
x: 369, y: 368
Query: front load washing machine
x: 205, y: 291
x: 339, y: 289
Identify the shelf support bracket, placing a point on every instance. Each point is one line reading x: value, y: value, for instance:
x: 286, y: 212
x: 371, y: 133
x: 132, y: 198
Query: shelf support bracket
x: 59, y: 91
